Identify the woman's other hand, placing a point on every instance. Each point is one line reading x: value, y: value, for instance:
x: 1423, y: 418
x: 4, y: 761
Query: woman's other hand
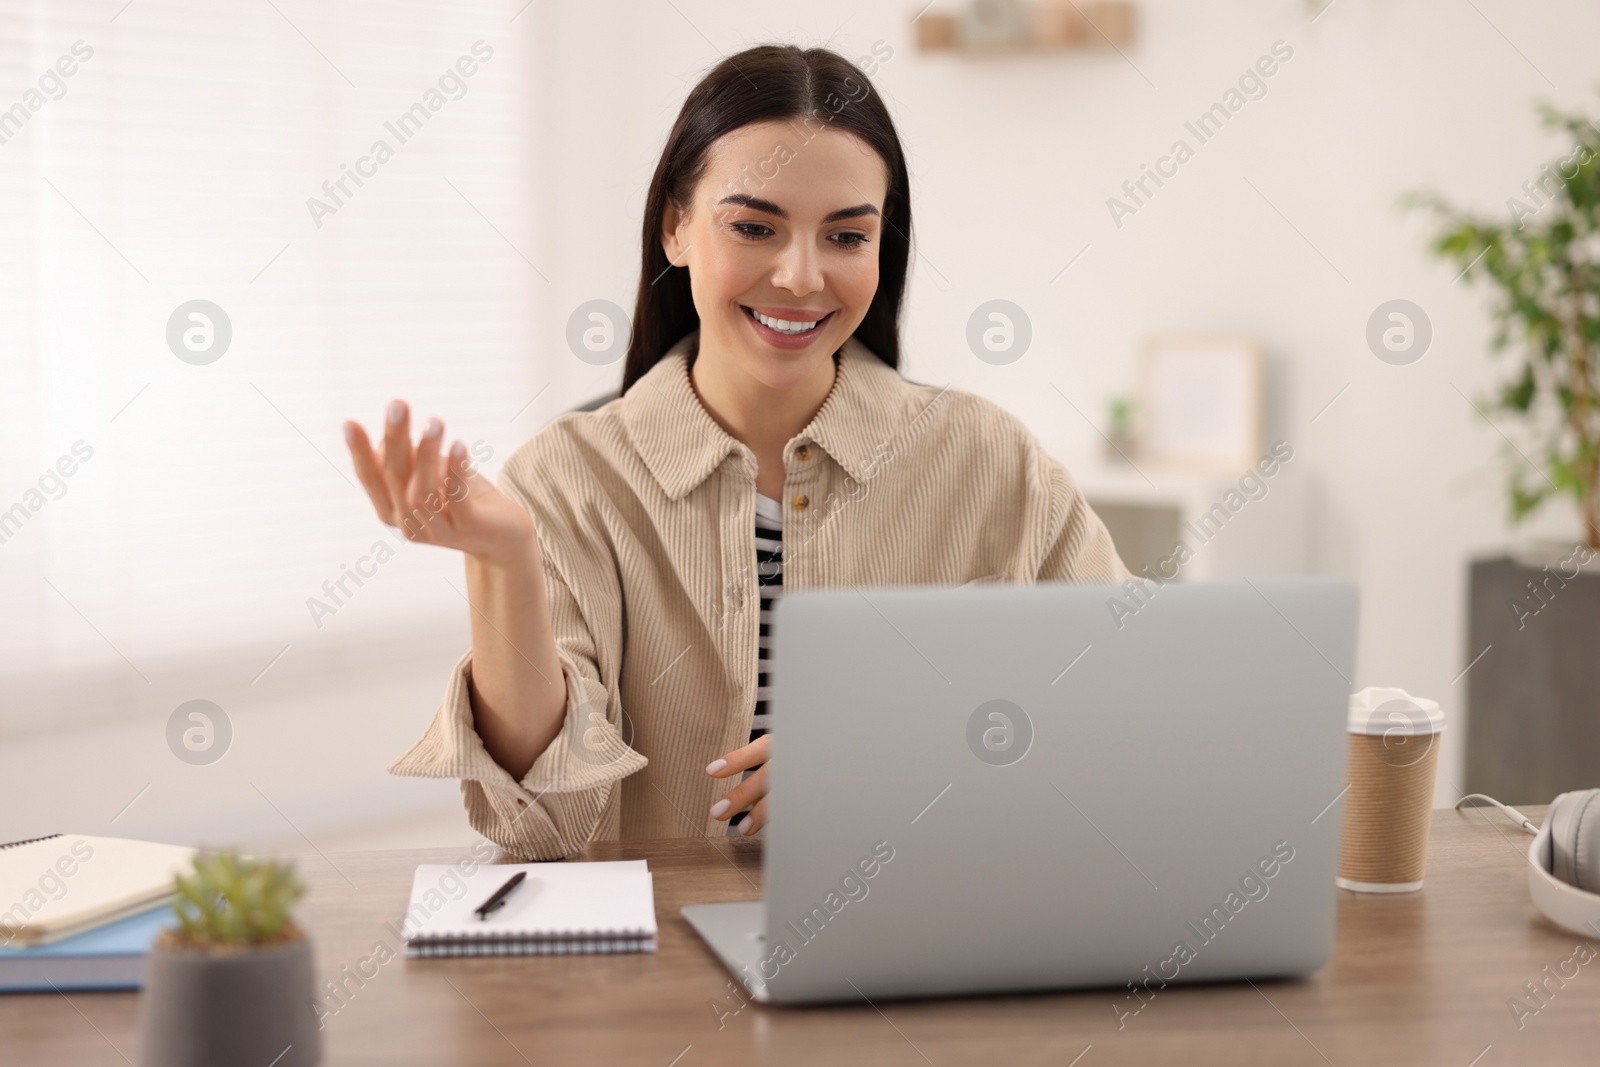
x: 753, y: 790
x: 433, y: 496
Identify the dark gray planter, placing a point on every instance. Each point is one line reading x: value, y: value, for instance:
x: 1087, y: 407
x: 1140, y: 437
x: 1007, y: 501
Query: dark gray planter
x: 253, y: 1009
x: 1533, y: 700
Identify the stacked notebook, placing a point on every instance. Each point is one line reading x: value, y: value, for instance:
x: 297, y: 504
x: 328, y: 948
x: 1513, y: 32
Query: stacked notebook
x: 558, y: 908
x: 81, y: 912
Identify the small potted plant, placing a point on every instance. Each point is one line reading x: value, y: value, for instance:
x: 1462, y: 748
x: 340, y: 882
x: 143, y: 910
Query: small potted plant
x: 232, y: 984
x: 1119, y: 443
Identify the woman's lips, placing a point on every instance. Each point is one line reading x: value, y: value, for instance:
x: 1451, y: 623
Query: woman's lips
x: 789, y: 341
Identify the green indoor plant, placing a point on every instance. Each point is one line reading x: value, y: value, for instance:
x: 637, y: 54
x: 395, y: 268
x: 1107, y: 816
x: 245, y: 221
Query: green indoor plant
x: 233, y: 982
x: 1542, y: 262
x: 1530, y: 702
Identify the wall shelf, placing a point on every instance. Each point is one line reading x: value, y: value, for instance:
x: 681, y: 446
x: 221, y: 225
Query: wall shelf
x: 1014, y: 27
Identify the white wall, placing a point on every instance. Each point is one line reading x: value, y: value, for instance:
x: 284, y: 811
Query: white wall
x: 1012, y: 162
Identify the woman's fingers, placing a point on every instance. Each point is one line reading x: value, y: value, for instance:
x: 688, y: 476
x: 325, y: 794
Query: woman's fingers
x: 424, y: 496
x: 457, y: 474
x: 741, y: 796
x: 754, y: 754
x: 436, y: 496
x: 414, y: 488
x: 368, y: 469
x: 756, y: 819
x: 752, y: 790
x: 397, y: 456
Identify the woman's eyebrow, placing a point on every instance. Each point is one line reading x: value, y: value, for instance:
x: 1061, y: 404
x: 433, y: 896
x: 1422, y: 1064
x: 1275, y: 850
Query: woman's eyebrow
x: 850, y: 213
x: 756, y: 203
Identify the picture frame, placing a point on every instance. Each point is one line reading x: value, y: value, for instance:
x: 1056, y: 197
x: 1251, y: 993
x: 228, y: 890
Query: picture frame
x: 1200, y: 401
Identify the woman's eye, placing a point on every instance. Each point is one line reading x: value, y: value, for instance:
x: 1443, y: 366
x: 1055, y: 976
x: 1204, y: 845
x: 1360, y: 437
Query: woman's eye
x: 757, y: 231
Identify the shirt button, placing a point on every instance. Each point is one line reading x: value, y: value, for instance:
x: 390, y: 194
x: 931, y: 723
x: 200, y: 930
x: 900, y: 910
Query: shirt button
x: 800, y: 501
x: 803, y: 452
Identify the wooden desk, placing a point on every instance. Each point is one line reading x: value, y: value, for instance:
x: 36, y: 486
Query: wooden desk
x: 1419, y: 978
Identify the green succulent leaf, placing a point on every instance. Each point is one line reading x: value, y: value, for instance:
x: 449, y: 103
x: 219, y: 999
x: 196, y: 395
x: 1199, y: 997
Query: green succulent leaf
x: 229, y: 900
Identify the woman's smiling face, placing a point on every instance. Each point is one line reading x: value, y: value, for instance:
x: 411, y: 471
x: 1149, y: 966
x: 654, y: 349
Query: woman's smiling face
x: 781, y: 242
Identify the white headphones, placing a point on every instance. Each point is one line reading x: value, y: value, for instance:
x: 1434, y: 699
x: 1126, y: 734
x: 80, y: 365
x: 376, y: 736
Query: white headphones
x: 1564, y: 859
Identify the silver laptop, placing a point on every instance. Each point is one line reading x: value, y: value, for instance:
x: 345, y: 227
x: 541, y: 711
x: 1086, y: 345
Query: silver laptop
x: 1000, y: 787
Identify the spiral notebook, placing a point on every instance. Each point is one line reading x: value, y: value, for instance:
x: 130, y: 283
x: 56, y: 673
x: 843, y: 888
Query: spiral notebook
x: 65, y: 884
x: 559, y: 908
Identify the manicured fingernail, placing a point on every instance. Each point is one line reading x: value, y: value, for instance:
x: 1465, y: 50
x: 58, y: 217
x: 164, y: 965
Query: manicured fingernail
x: 350, y: 433
x: 720, y: 808
x: 435, y: 427
x: 716, y: 765
x: 397, y: 410
x: 749, y: 827
x: 458, y: 451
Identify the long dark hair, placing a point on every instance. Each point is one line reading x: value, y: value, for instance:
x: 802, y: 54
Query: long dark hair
x: 767, y: 83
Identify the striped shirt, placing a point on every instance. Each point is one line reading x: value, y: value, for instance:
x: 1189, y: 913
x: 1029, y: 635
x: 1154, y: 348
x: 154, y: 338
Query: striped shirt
x: 769, y: 574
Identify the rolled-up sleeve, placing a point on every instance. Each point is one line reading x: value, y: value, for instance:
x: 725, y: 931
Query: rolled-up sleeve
x: 556, y: 807
x: 1078, y: 546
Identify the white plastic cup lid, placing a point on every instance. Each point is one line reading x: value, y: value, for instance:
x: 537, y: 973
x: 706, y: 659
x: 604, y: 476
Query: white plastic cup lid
x: 1384, y: 710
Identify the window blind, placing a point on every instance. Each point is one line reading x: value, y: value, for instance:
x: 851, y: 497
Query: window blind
x: 158, y: 506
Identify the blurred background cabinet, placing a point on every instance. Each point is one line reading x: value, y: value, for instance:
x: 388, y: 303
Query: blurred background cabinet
x: 1149, y: 515
x: 1533, y: 716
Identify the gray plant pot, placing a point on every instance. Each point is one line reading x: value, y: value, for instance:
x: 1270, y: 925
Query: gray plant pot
x: 205, y: 1009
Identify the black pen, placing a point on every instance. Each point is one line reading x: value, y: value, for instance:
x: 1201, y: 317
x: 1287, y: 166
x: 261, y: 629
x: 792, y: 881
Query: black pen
x: 500, y: 895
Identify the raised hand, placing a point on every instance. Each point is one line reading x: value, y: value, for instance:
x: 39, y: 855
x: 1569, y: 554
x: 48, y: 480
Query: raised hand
x: 434, y: 497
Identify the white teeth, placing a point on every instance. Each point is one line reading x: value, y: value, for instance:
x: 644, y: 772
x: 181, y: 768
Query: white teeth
x: 783, y: 325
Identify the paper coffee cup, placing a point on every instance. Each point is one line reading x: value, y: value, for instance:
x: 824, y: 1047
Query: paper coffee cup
x: 1388, y: 807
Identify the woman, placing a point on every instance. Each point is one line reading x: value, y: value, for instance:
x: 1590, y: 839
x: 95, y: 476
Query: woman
x: 621, y: 575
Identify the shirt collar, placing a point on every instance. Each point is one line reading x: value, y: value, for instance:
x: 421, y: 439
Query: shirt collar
x: 682, y: 444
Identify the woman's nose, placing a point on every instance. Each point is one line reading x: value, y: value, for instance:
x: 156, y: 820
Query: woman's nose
x: 798, y: 269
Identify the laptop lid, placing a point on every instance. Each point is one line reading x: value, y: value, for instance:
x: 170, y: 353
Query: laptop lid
x: 1007, y: 787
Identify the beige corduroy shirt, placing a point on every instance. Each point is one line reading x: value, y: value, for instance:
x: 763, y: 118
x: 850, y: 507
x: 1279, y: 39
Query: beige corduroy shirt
x: 645, y: 510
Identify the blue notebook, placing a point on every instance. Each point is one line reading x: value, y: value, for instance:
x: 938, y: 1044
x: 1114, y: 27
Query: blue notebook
x: 110, y: 957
